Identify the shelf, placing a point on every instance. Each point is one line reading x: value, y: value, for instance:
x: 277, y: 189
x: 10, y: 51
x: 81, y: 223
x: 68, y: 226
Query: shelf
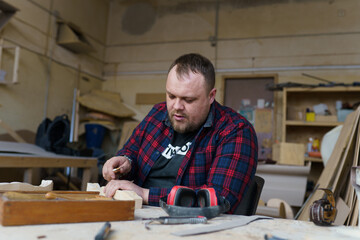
x: 325, y: 89
x: 313, y: 159
x: 316, y: 124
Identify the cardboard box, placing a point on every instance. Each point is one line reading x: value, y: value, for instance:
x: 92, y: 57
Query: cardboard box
x: 328, y: 118
x: 70, y: 37
x: 295, y: 113
x: 289, y: 153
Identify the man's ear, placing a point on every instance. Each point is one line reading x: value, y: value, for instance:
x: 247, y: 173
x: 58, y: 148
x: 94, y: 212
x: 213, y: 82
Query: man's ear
x: 212, y: 95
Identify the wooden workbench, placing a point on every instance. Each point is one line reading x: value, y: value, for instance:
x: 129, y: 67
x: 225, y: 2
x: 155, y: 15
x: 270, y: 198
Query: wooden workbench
x: 29, y: 156
x: 283, y: 228
x: 9, y: 160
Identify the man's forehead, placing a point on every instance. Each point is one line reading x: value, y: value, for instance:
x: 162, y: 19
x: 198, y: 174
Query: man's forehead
x: 187, y: 75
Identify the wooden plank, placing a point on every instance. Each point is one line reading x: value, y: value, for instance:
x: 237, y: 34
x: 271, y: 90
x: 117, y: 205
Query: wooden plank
x: 16, y: 65
x: 354, y: 201
x: 27, y: 212
x: 26, y: 161
x: 283, y: 125
x: 346, y: 162
x: 355, y: 216
x: 27, y: 148
x: 350, y: 192
x: 12, y: 132
x: 150, y: 98
x: 333, y: 162
x: 342, y: 212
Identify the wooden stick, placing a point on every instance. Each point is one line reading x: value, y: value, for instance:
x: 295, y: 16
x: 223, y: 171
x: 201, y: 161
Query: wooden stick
x: 12, y: 132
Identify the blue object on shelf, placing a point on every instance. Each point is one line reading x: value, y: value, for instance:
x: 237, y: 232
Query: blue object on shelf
x: 342, y: 114
x: 94, y: 135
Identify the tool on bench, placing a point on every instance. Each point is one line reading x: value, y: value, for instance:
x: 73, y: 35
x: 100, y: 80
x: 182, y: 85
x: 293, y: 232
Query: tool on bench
x: 175, y: 220
x: 55, y: 196
x: 323, y: 211
x: 271, y: 237
x: 104, y: 232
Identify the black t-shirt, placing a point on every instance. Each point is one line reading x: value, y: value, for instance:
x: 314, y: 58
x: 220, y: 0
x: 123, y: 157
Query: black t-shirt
x: 165, y: 169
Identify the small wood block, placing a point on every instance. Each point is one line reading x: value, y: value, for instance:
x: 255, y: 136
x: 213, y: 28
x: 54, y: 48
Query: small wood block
x: 129, y: 195
x: 125, y: 195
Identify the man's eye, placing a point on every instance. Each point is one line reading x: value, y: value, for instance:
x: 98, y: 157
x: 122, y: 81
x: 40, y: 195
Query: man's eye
x: 171, y: 96
x: 189, y: 100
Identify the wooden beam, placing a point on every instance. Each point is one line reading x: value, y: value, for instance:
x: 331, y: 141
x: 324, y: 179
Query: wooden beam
x: 12, y: 132
x: 28, y: 161
x: 150, y: 98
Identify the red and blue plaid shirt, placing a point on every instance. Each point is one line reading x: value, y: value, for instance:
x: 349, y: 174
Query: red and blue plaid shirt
x: 223, y: 154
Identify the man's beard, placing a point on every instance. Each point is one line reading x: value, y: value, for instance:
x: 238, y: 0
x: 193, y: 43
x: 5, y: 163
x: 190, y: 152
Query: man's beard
x: 183, y: 127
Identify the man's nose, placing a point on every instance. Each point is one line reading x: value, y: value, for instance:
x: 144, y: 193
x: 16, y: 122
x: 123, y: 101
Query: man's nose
x: 178, y: 104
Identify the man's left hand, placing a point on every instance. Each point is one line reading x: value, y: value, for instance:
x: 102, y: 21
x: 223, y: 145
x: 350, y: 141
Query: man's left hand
x: 114, y: 185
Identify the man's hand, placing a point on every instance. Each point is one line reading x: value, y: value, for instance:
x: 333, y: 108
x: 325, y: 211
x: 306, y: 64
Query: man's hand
x: 115, y: 162
x: 114, y: 185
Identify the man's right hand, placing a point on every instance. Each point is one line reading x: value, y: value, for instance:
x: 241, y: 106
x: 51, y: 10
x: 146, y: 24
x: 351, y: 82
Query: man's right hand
x: 120, y: 162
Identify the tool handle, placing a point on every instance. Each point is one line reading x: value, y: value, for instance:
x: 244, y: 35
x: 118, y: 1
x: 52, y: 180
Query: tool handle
x: 184, y: 220
x: 104, y: 231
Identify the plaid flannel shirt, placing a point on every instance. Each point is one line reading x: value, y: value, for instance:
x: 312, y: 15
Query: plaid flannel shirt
x: 223, y: 154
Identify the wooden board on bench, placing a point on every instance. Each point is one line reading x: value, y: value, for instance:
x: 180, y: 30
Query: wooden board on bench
x: 27, y: 208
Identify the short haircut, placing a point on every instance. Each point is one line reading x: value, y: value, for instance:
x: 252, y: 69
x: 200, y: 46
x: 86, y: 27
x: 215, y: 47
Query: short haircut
x: 197, y: 64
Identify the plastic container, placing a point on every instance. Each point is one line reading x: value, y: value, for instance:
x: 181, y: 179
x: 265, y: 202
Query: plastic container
x: 343, y: 113
x: 94, y: 135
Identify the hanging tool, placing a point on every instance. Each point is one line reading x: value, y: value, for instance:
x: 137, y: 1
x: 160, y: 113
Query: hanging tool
x: 175, y: 220
x: 323, y: 211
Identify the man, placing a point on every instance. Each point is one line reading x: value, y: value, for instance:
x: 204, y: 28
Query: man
x: 191, y: 140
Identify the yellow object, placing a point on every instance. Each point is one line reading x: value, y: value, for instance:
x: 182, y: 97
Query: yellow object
x: 316, y: 145
x: 310, y: 116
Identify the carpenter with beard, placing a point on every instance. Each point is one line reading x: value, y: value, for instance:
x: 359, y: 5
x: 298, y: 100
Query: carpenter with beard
x: 189, y: 140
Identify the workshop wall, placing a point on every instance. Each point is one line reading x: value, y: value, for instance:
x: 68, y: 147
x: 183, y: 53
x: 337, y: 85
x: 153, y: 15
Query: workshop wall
x: 135, y: 41
x: 48, y: 72
x: 286, y: 38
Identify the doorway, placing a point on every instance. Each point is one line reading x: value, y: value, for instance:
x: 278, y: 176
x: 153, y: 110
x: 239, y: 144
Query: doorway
x: 252, y: 91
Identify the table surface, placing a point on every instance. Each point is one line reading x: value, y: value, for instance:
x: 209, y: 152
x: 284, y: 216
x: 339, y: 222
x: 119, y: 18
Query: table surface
x: 14, y: 160
x: 281, y: 228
